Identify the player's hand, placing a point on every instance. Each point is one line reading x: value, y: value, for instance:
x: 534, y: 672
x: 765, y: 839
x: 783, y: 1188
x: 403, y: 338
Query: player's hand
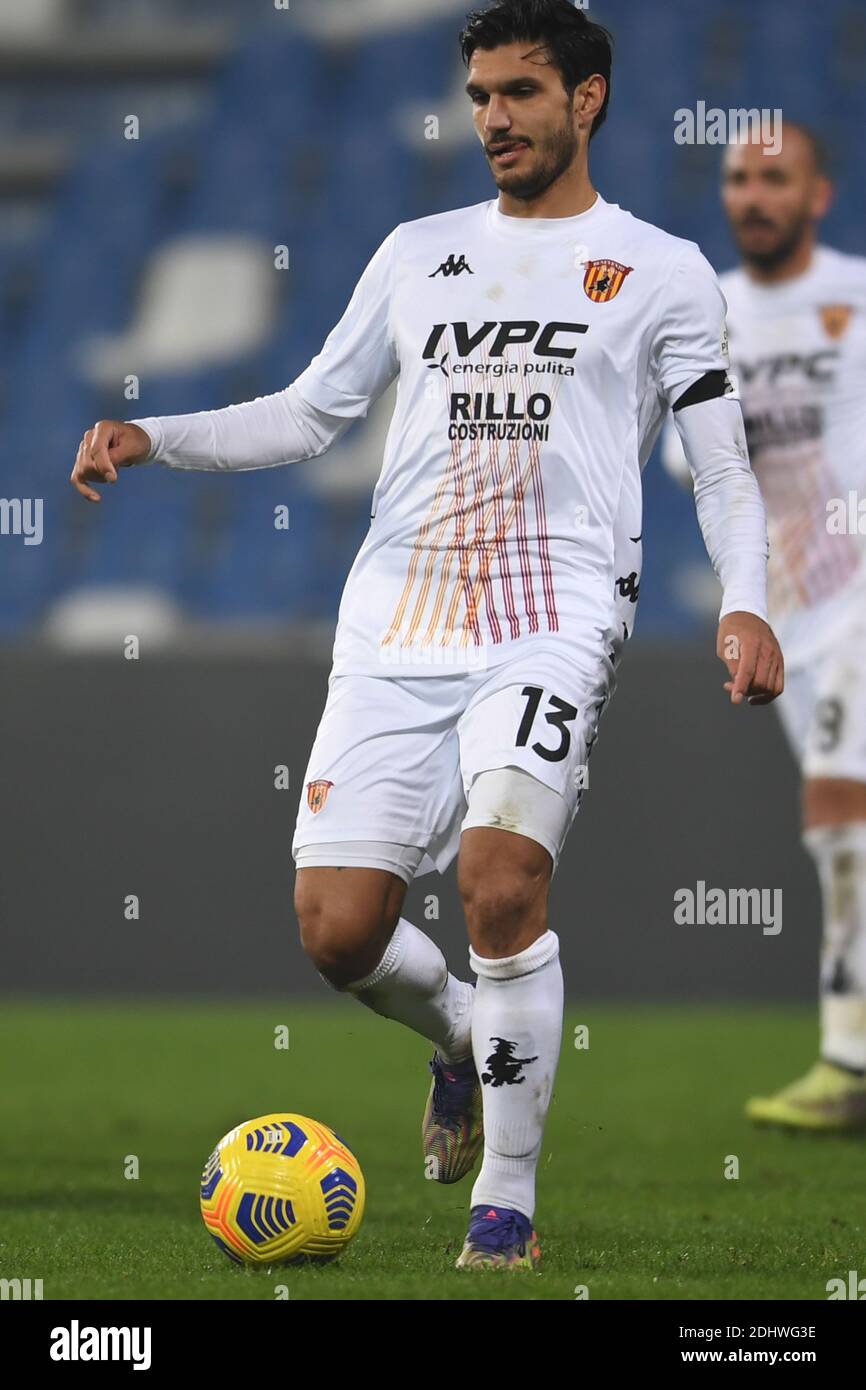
x: 110, y: 445
x: 749, y: 649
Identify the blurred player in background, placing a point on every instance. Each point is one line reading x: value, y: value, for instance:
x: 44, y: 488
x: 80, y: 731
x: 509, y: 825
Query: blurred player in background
x: 797, y: 330
x: 540, y: 338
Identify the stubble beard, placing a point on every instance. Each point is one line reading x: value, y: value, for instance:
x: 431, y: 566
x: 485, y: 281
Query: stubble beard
x: 556, y: 155
x: 774, y: 256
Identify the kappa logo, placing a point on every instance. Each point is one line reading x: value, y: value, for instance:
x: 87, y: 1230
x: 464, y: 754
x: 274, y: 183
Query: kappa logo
x: 453, y: 267
x: 317, y: 795
x: 603, y: 280
x: 504, y: 1067
x: 835, y: 318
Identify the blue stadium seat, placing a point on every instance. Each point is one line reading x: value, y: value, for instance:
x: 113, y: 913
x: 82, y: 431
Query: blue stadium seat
x: 272, y: 88
x: 373, y: 183
x: 251, y: 569
x: 107, y: 218
x: 138, y: 535
x: 369, y: 79
x: 458, y: 178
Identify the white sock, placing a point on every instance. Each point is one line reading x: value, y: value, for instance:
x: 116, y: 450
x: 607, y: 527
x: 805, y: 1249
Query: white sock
x: 839, y: 852
x: 412, y: 985
x: 516, y: 1037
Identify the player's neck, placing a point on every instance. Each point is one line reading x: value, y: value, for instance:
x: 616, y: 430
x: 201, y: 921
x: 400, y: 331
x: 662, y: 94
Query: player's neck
x: 791, y: 268
x: 568, y: 197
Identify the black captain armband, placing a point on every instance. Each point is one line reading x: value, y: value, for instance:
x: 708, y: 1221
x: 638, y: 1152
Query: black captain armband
x: 708, y: 388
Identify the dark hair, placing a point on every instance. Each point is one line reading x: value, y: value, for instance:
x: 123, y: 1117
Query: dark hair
x: 576, y: 45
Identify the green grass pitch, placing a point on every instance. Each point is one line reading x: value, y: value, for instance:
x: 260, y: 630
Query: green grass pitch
x: 633, y: 1201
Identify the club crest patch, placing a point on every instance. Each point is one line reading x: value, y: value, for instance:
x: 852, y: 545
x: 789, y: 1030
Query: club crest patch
x: 317, y: 795
x: 603, y: 280
x: 835, y: 318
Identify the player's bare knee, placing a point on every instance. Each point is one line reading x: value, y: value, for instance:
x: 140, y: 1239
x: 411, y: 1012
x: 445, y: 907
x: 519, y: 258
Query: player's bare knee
x: 505, y: 907
x: 344, y: 948
x: 343, y: 934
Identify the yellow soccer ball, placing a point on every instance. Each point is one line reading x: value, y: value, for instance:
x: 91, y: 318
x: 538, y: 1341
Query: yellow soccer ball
x: 282, y: 1189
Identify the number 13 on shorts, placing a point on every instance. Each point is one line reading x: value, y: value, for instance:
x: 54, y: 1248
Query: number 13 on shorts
x: 531, y: 727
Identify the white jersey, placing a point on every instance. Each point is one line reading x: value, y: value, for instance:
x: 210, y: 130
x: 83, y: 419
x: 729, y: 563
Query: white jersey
x: 798, y: 350
x: 536, y: 359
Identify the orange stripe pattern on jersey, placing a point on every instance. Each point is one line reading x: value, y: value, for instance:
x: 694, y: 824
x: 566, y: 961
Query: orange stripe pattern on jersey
x: 443, y: 534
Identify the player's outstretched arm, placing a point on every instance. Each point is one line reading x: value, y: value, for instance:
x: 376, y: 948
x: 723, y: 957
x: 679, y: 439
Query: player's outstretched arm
x: 358, y: 361
x: 264, y: 433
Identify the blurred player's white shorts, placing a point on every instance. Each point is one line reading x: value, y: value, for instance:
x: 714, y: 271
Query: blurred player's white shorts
x: 823, y: 705
x: 396, y: 762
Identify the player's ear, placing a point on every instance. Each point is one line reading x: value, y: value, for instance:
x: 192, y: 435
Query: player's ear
x: 589, y: 97
x: 822, y: 196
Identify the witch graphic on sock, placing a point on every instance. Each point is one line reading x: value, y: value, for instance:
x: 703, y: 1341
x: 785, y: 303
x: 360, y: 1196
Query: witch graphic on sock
x: 504, y: 1066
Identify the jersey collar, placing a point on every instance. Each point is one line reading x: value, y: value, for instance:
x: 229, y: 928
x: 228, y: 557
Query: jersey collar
x: 533, y: 229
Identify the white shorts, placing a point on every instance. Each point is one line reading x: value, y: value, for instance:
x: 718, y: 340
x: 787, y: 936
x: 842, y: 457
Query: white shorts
x: 823, y: 706
x: 395, y: 758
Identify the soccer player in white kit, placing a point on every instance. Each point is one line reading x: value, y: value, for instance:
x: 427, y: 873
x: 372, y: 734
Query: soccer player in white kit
x: 797, y: 326
x: 539, y: 340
